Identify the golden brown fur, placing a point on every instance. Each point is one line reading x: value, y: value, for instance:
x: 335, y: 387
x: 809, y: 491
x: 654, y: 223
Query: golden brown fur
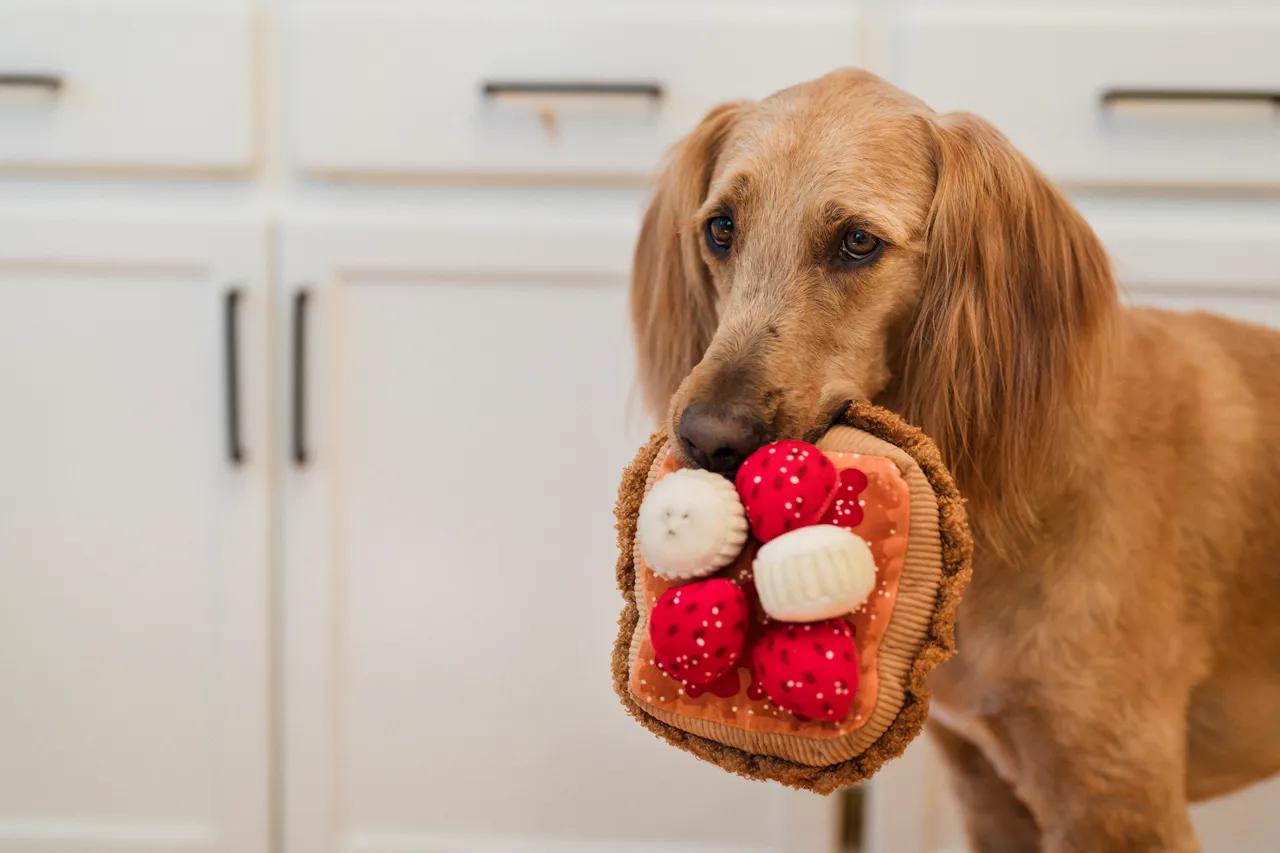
x: 1120, y: 648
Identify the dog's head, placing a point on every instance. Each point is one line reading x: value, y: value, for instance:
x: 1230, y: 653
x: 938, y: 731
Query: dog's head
x: 840, y: 241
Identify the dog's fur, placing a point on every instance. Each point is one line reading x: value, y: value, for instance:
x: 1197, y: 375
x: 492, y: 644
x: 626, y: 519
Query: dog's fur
x: 1120, y: 643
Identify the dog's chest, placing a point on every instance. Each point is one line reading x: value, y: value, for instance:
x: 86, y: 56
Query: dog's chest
x: 957, y: 694
x: 965, y: 699
x: 966, y: 684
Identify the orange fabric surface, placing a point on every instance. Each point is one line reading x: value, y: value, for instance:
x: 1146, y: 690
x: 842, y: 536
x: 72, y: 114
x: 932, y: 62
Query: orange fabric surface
x: 885, y: 528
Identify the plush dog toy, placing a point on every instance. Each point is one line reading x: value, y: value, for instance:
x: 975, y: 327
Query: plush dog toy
x: 782, y: 625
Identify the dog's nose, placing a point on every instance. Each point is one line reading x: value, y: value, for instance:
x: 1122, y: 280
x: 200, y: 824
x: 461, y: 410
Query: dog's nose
x: 715, y: 440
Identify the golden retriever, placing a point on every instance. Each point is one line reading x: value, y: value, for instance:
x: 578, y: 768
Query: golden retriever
x: 1120, y: 643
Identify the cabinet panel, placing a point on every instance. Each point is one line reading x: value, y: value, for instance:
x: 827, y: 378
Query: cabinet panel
x: 133, y: 552
x: 1206, y: 256
x: 1251, y: 307
x: 1155, y: 248
x: 1239, y: 278
x: 450, y: 594
x: 599, y: 90
x: 1109, y: 95
x: 129, y: 85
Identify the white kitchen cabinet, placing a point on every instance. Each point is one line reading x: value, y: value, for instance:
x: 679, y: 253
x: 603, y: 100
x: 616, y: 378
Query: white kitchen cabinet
x: 1220, y: 256
x: 127, y: 86
x: 133, y: 549
x: 1239, y: 278
x: 450, y: 600
x: 1155, y: 250
x: 538, y: 89
x: 1109, y: 94
x: 444, y: 548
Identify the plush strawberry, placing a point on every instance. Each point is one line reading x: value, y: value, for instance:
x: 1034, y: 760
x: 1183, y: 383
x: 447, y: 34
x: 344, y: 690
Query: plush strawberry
x: 783, y: 486
x: 845, y: 511
x: 810, y: 670
x: 755, y: 690
x: 725, y: 686
x: 698, y: 630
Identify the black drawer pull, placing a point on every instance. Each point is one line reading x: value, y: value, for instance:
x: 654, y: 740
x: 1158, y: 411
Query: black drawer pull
x: 22, y: 80
x: 301, y: 454
x: 647, y: 90
x: 1112, y: 97
x: 231, y: 350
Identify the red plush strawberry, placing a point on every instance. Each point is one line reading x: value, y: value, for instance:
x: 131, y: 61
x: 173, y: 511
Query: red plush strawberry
x: 810, y: 670
x: 698, y: 630
x: 845, y: 511
x: 783, y: 486
x: 755, y: 690
x: 725, y: 686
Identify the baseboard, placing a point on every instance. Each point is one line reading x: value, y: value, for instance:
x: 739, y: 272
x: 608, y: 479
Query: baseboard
x: 33, y: 835
x: 412, y: 842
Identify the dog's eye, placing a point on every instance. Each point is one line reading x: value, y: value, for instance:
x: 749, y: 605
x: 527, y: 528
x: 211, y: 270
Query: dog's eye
x: 719, y: 234
x: 858, y: 245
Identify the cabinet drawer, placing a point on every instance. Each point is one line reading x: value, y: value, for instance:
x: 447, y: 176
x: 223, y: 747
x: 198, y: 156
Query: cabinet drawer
x: 1179, y: 97
x: 589, y: 91
x: 125, y: 86
x: 1148, y: 242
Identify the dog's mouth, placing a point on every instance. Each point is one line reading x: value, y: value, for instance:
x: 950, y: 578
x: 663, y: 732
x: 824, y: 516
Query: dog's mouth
x: 824, y: 426
x: 827, y: 419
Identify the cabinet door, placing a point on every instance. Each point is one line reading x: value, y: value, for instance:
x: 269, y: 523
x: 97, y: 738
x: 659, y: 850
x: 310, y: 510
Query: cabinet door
x: 450, y: 599
x: 1151, y: 249
x: 133, y: 549
x: 1239, y: 278
x: 1156, y: 248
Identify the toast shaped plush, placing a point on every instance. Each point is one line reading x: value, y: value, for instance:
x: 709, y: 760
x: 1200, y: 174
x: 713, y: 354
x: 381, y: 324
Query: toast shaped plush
x: 783, y: 625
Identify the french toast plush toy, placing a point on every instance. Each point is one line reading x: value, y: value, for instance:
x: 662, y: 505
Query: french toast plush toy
x: 783, y: 625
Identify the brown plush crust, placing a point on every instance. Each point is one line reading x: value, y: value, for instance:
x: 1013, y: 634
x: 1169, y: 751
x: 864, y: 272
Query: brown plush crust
x: 957, y: 551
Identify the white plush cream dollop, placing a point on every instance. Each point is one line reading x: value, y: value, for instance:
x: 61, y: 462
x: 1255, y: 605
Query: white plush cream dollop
x: 690, y: 524
x: 814, y: 573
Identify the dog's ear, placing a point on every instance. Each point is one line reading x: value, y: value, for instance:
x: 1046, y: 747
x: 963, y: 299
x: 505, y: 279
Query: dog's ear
x: 1016, y: 298
x: 673, y: 302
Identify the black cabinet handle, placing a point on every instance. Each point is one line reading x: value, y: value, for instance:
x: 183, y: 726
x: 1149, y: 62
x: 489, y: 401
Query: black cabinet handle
x: 231, y: 351
x: 634, y: 89
x: 1113, y: 97
x: 301, y: 299
x: 26, y: 80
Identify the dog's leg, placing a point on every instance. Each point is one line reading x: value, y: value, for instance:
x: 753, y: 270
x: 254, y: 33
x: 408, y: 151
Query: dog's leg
x: 1104, y: 773
x: 995, y: 820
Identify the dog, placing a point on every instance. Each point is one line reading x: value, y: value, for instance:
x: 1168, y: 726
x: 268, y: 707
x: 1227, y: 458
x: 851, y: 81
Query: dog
x: 1119, y: 643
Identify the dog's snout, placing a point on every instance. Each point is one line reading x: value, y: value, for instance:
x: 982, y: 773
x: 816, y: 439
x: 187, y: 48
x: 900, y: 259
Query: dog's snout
x: 716, y: 440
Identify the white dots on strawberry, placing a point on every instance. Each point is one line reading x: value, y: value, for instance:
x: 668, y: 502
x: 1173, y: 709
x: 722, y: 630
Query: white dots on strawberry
x: 698, y: 630
x: 810, y: 670
x: 785, y: 485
